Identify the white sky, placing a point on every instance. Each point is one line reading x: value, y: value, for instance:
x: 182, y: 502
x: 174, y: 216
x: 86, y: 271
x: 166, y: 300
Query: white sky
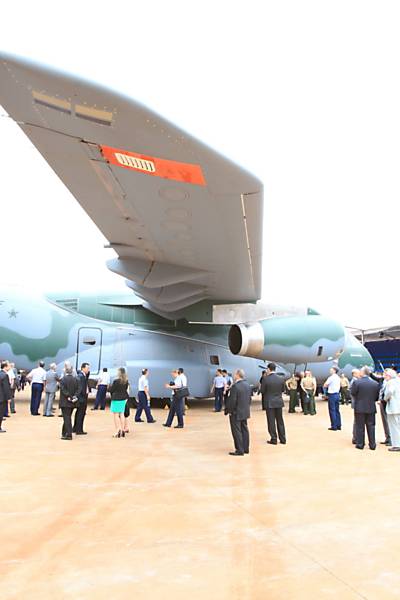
x: 306, y: 95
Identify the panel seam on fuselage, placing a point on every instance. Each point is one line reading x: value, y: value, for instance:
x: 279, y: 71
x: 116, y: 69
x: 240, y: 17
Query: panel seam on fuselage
x: 247, y: 238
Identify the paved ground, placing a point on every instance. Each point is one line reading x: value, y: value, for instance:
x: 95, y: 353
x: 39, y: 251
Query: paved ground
x: 168, y: 514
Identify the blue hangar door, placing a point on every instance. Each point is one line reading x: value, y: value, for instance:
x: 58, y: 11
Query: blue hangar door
x: 89, y: 348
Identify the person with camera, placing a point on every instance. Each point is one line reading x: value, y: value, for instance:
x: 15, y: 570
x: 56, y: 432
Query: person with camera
x: 180, y: 392
x: 69, y: 388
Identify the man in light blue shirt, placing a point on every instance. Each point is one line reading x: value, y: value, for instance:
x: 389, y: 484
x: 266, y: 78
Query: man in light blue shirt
x: 219, y: 386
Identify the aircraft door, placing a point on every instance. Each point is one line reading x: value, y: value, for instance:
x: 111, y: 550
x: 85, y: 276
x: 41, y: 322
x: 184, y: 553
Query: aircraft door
x: 89, y: 348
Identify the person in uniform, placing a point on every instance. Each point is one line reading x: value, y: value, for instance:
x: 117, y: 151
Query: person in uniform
x: 182, y: 373
x: 176, y: 401
x: 309, y: 385
x: 144, y: 398
x: 228, y: 384
x: 272, y: 388
x: 292, y: 385
x: 300, y: 389
x: 218, y: 387
x: 102, y: 386
x: 344, y: 389
x: 238, y: 409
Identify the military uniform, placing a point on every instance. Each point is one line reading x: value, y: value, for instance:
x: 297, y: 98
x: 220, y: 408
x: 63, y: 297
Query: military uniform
x: 309, y: 385
x: 291, y: 385
x: 344, y: 390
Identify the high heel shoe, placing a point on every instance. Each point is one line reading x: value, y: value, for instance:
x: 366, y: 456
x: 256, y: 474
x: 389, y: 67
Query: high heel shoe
x: 122, y: 433
x: 117, y: 435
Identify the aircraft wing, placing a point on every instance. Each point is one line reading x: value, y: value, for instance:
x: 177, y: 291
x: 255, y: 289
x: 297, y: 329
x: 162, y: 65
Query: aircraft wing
x: 185, y: 222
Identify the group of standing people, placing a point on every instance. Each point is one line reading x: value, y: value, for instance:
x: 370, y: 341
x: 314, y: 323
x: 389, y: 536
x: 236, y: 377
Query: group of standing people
x: 13, y: 376
x: 10, y: 382
x: 5, y: 391
x: 366, y: 389
x: 238, y: 402
x: 302, y: 387
x: 221, y: 386
x: 74, y: 389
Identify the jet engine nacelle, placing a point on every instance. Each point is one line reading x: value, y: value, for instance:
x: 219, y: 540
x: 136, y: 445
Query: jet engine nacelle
x: 289, y: 339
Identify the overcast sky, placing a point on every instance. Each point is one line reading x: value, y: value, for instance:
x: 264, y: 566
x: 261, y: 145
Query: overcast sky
x: 305, y: 94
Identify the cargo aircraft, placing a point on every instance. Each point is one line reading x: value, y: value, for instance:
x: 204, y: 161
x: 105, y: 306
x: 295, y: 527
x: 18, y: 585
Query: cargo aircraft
x: 159, y: 196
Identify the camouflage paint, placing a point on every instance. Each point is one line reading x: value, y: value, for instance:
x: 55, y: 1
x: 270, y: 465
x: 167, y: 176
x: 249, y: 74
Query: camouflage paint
x: 306, y: 331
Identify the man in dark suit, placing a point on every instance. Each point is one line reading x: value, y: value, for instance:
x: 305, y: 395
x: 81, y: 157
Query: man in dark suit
x: 238, y: 409
x: 83, y: 376
x: 272, y: 388
x: 5, y: 390
x: 365, y: 393
x: 69, y: 388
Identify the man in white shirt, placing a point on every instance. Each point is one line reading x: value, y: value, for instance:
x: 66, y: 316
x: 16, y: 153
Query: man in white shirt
x: 333, y: 388
x: 144, y: 398
x: 176, y: 403
x: 37, y: 377
x: 183, y: 377
x: 218, y: 387
x: 102, y: 385
x: 184, y: 384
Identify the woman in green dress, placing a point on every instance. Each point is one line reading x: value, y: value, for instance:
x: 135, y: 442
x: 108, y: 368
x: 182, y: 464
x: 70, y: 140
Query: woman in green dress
x: 119, y: 396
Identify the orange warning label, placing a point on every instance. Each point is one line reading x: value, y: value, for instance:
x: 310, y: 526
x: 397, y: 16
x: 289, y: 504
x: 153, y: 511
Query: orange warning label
x: 160, y: 167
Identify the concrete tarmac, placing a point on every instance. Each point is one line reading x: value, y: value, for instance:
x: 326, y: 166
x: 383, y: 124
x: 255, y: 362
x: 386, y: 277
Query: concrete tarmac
x: 168, y: 514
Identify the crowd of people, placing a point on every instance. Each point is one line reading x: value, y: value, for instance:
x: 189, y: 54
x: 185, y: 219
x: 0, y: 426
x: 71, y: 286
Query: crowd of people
x: 363, y: 392
x: 231, y: 393
x: 74, y: 391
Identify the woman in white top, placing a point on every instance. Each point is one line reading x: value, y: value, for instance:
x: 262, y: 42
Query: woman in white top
x: 392, y: 397
x: 144, y: 398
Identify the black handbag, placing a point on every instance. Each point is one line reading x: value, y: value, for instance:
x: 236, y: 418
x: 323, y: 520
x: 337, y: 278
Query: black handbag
x: 180, y: 393
x: 130, y: 403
